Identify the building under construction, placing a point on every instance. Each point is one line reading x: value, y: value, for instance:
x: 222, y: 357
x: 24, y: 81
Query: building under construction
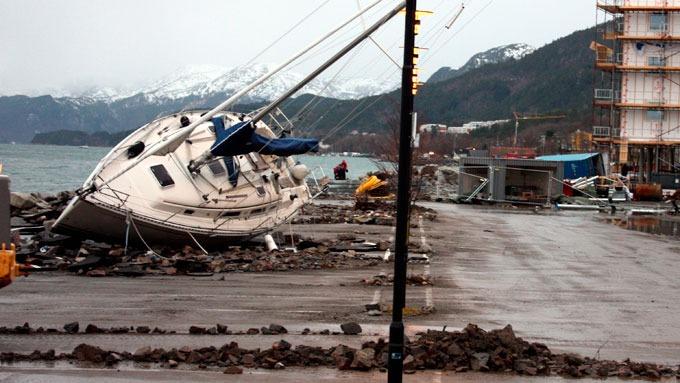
x: 637, y: 87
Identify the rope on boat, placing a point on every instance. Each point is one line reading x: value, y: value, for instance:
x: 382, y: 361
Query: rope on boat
x: 127, y: 231
x: 197, y: 243
x: 132, y: 221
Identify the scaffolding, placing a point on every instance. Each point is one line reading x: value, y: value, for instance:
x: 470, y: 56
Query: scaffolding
x: 636, y: 95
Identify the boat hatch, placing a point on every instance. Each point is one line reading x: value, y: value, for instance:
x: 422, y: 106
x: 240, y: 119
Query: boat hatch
x: 216, y: 168
x: 162, y: 175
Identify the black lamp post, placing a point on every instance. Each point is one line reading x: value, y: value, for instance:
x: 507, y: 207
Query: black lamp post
x: 396, y: 342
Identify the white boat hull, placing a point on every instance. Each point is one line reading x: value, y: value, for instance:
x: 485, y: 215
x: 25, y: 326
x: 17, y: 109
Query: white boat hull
x: 176, y: 207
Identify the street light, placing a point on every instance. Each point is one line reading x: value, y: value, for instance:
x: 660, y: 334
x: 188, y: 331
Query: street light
x: 395, y: 361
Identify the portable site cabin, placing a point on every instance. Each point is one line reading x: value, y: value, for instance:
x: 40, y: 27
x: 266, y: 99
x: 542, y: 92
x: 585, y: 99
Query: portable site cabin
x: 508, y: 179
x: 579, y: 165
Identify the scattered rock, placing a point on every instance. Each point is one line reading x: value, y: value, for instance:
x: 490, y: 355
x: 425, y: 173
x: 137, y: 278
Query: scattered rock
x: 71, y: 328
x: 363, y: 359
x: 278, y: 329
x: 350, y: 328
x: 87, y: 353
x: 233, y: 370
x: 281, y: 345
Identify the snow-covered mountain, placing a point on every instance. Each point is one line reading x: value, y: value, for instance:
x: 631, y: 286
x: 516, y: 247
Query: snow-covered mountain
x: 204, y: 81
x: 492, y: 56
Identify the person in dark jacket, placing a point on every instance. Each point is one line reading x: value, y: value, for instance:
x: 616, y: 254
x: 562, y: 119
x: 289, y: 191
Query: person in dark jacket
x: 340, y: 171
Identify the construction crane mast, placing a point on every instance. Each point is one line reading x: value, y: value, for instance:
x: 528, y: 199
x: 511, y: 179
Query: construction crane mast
x: 524, y: 116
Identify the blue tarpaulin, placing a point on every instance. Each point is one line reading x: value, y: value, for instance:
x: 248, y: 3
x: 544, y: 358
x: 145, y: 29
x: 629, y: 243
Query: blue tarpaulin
x: 232, y: 170
x: 242, y: 139
x: 578, y: 164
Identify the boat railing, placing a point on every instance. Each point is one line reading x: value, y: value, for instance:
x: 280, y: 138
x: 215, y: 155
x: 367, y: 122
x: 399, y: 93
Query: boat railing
x: 320, y: 181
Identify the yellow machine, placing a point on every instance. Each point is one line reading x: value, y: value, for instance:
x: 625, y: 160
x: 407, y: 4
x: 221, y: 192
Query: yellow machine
x: 372, y: 193
x: 371, y: 183
x: 9, y: 269
x: 8, y: 266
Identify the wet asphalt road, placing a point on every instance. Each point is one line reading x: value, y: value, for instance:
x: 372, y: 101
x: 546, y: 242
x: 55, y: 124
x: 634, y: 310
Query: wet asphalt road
x: 562, y: 279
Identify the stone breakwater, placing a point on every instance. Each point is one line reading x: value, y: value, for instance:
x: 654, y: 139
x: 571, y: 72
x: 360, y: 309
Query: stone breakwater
x: 471, y: 349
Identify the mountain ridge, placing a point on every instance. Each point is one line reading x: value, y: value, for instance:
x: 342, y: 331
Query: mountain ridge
x: 494, y: 55
x: 557, y: 76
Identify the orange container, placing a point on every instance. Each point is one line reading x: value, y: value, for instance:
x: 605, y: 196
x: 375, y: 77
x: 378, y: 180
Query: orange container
x: 8, y: 265
x: 648, y: 192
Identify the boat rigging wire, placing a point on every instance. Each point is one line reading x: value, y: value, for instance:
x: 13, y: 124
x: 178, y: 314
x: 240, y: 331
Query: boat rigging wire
x: 182, y: 134
x: 456, y: 16
x: 438, y: 49
x: 286, y: 33
x: 435, y: 37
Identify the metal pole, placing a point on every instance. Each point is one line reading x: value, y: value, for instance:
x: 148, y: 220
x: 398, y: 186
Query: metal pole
x: 396, y: 343
x: 5, y: 224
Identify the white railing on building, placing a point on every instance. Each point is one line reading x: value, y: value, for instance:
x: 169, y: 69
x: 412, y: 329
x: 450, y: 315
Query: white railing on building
x: 636, y: 3
x: 601, y: 131
x: 606, y: 131
x: 604, y: 94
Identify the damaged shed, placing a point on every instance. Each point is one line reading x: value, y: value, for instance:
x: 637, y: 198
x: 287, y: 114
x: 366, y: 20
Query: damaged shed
x: 512, y: 180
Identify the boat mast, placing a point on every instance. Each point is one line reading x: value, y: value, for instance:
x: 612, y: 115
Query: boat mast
x: 182, y: 134
x: 207, y: 155
x: 366, y: 34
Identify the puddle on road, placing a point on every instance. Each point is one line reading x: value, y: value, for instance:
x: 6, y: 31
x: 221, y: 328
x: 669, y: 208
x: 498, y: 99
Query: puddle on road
x: 650, y: 225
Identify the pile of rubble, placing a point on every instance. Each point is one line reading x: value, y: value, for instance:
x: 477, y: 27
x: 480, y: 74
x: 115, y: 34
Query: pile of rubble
x: 34, y: 214
x: 437, y: 183
x: 36, y: 209
x: 383, y: 279
x: 472, y: 349
x: 331, y: 214
x: 350, y: 328
x: 98, y: 259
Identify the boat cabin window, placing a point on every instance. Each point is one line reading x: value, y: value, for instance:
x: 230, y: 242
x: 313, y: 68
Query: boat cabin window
x: 257, y: 211
x: 162, y: 175
x: 230, y: 214
x: 216, y: 168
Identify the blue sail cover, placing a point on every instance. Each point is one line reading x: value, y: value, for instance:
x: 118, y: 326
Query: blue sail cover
x: 242, y: 139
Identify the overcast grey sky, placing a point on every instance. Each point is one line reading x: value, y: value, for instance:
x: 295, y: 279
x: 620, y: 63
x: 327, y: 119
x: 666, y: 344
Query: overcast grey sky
x: 57, y: 44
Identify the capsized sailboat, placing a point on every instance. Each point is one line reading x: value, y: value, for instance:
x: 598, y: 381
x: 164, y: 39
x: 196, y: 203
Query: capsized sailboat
x: 205, y: 177
x: 239, y: 194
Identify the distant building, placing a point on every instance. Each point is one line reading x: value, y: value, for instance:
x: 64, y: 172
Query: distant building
x: 637, y: 93
x: 465, y: 129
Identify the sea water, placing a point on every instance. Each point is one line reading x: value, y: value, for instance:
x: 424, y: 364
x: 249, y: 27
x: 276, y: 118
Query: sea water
x: 51, y: 169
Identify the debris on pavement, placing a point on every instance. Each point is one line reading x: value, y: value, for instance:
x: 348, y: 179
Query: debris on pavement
x: 412, y: 279
x: 472, y: 349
